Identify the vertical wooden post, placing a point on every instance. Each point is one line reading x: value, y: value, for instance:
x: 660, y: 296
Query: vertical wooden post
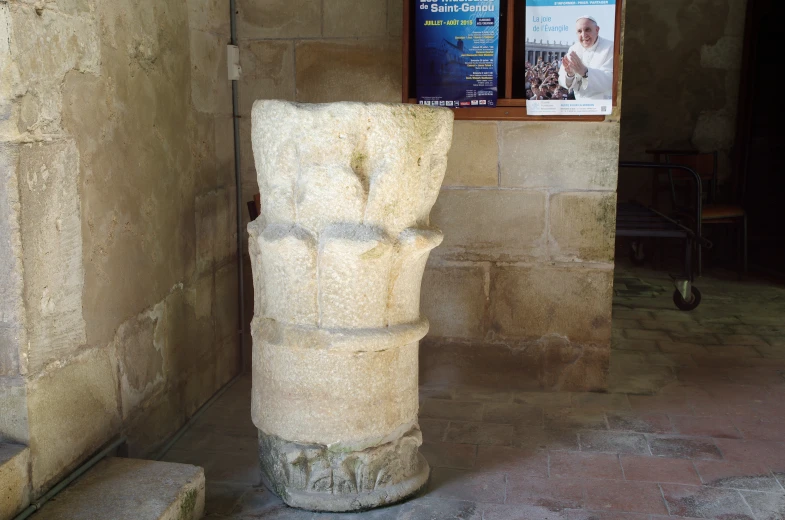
x: 510, y: 48
x: 407, y: 22
x: 617, y: 50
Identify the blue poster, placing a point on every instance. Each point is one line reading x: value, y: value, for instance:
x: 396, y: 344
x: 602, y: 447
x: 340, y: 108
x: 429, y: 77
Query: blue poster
x: 457, y: 52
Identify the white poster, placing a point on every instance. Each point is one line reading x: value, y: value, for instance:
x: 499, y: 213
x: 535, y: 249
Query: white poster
x: 570, y: 56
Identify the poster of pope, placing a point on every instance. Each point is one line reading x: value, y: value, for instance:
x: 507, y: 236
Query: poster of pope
x: 569, y: 56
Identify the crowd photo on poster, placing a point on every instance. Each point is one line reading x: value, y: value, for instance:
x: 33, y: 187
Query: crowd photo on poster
x: 542, y: 80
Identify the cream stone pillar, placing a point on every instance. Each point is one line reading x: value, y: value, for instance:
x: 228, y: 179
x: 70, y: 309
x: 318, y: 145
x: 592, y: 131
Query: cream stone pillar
x: 338, y: 255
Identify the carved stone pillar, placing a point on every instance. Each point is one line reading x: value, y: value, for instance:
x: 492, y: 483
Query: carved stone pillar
x: 338, y: 255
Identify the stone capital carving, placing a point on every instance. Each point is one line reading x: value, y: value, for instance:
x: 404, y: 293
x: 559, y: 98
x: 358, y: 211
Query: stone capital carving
x: 338, y: 255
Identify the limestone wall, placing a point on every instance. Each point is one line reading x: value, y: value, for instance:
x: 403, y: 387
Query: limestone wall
x: 527, y: 208
x: 681, y: 83
x: 117, y: 265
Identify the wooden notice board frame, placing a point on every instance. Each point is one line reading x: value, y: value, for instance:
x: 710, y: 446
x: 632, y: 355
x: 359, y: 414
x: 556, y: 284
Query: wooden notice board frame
x: 509, y: 108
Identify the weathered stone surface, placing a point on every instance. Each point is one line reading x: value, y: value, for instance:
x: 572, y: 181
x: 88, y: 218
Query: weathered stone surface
x: 13, y: 410
x: 737, y: 10
x: 225, y: 310
x: 707, y: 502
x: 455, y: 300
x: 139, y: 347
x: 14, y: 479
x: 279, y: 19
x: 209, y: 16
x: 724, y: 54
x: 312, y: 395
x: 765, y: 505
x: 152, y: 424
x: 227, y: 360
x: 8, y: 88
x: 349, y: 70
x: 190, y: 335
x: 587, y: 157
x: 216, y: 229
x: 201, y: 294
x: 198, y: 385
x: 268, y: 73
x: 365, y: 256
x: 247, y: 162
x: 338, y: 256
x: 380, y: 163
x: 317, y: 477
x: 114, y: 106
x: 701, y: 43
x: 52, y: 240
x: 211, y: 92
x: 205, y: 156
x: 44, y: 47
x: 9, y: 350
x: 82, y: 396
x: 348, y: 18
x: 483, y: 225
x: 582, y: 226
x: 12, y: 331
x: 130, y: 489
x: 547, y: 364
x: 714, y: 130
x: 574, y: 303
x: 223, y: 139
x: 395, y: 18
x: 474, y: 156
x: 11, y: 302
x: 139, y: 165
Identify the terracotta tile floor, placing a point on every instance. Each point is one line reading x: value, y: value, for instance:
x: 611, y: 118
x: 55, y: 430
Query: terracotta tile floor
x: 693, y: 427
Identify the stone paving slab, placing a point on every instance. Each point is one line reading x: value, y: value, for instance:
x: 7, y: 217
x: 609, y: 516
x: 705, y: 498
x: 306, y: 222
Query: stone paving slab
x: 131, y: 489
x: 14, y: 479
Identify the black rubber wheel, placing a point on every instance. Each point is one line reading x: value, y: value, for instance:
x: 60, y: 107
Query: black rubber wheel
x: 687, y: 305
x: 635, y: 258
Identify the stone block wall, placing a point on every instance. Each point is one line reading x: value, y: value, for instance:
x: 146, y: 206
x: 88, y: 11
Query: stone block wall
x: 525, y: 272
x: 521, y: 287
x: 118, y: 270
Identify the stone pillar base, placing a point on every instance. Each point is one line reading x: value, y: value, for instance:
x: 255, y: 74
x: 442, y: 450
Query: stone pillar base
x: 320, y: 478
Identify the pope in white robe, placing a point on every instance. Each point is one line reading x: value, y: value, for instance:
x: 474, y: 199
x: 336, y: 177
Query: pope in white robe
x: 587, y: 68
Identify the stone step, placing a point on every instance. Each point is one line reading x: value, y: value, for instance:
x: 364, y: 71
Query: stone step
x: 131, y: 489
x: 14, y: 479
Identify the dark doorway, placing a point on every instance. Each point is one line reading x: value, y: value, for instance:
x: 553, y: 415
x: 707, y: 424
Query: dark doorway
x: 759, y: 156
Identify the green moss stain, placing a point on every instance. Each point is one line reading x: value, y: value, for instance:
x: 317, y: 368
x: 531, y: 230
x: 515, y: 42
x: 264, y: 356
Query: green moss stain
x: 358, y: 161
x: 375, y: 253
x: 604, y: 214
x: 359, y: 165
x: 188, y: 505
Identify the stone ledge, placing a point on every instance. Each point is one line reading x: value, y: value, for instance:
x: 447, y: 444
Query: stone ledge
x: 131, y: 489
x: 14, y: 479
